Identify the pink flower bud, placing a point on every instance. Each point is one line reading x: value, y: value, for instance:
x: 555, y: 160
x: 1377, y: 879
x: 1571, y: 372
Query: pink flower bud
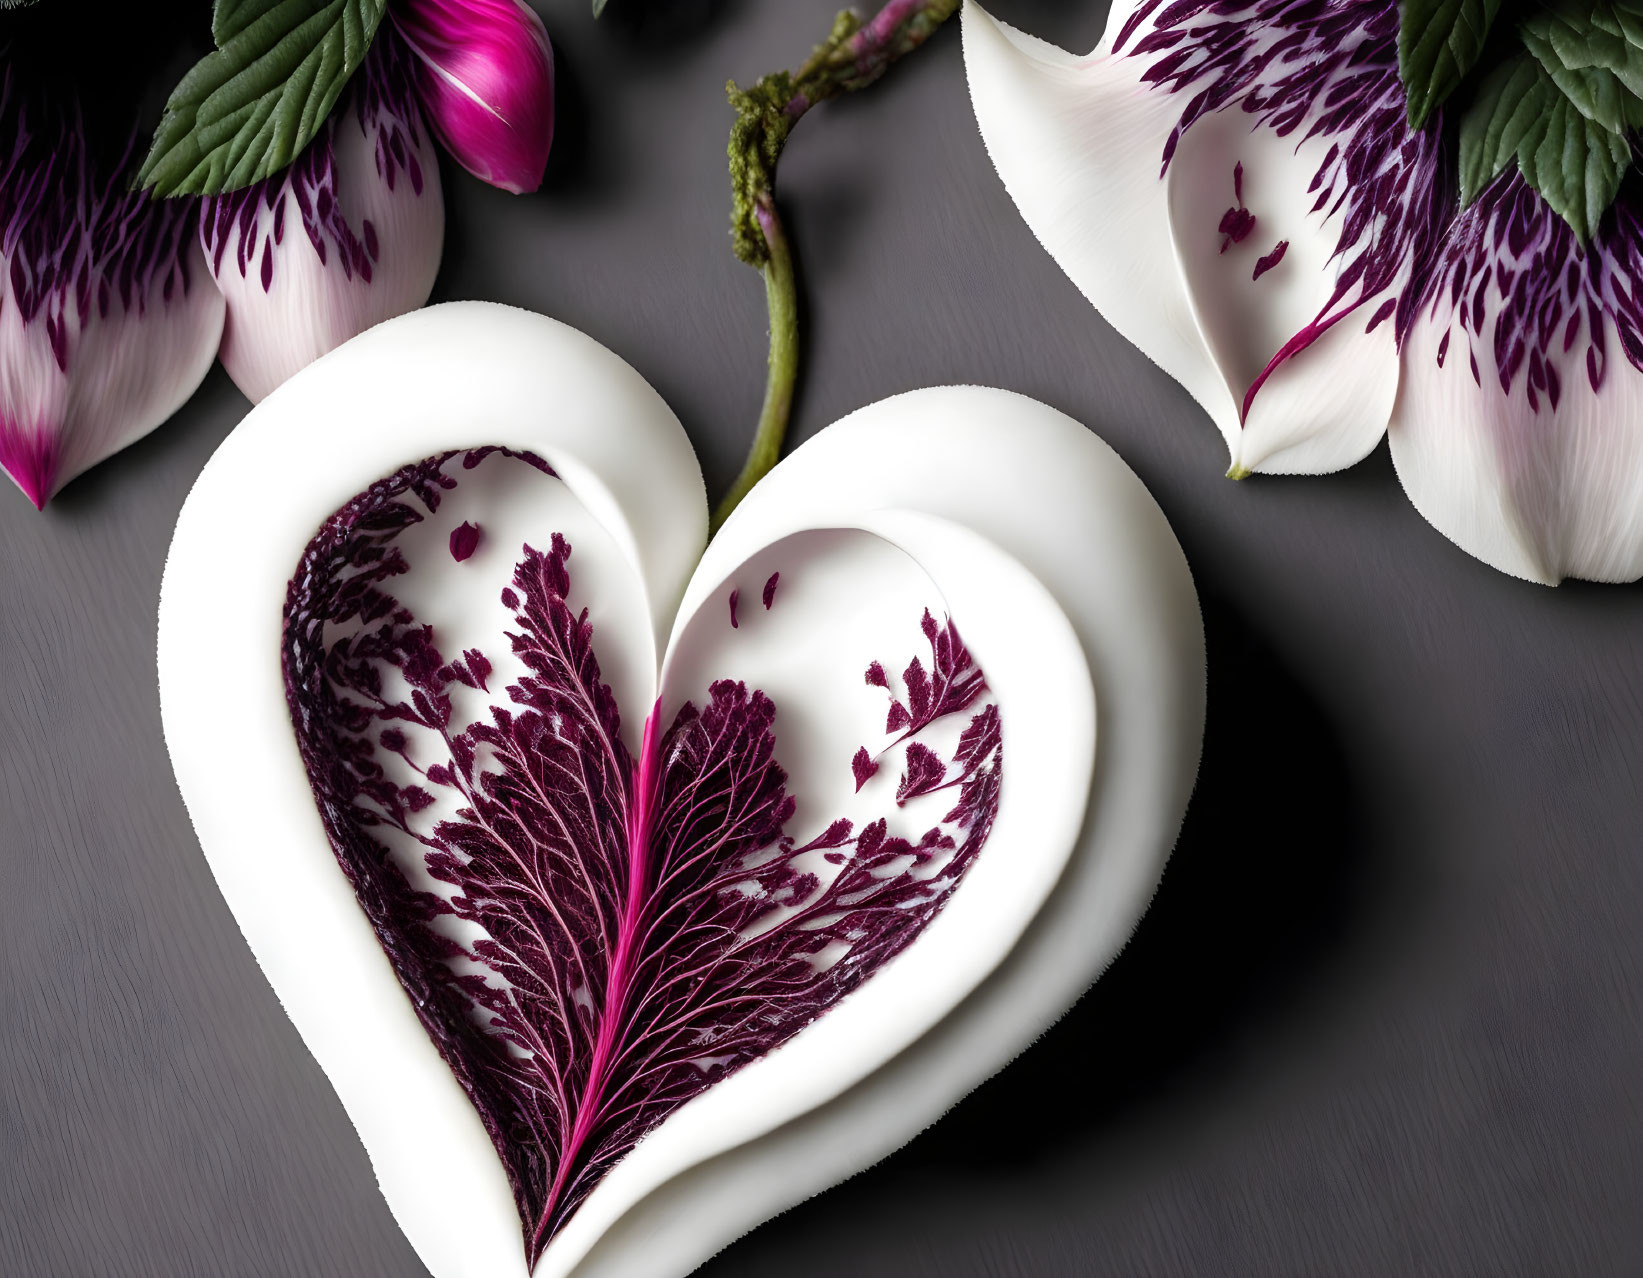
x: 485, y: 73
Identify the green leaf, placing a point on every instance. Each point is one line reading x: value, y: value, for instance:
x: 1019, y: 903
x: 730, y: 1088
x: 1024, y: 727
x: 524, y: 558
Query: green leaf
x: 244, y: 112
x: 1521, y: 115
x: 233, y: 16
x: 1509, y: 108
x: 1592, y: 59
x: 1439, y: 41
x: 1577, y: 167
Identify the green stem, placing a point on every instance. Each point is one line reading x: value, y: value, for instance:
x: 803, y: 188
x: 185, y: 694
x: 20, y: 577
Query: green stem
x: 782, y: 298
x: 851, y: 58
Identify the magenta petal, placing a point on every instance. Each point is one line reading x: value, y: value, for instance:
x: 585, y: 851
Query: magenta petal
x: 486, y: 78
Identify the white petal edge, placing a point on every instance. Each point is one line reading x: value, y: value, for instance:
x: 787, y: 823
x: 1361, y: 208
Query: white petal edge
x: 429, y: 344
x: 310, y: 306
x: 1078, y: 142
x: 1540, y: 495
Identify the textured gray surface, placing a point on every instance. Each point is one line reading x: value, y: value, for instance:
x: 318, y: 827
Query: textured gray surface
x: 1384, y: 1017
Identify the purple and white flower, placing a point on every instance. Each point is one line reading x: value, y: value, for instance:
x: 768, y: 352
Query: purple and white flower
x: 1235, y: 185
x: 108, y: 320
x: 113, y: 303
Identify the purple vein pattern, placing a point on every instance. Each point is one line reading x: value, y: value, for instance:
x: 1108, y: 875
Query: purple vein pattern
x: 609, y: 935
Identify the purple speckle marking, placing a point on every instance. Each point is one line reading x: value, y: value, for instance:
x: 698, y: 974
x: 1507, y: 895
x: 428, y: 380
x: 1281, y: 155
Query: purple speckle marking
x: 1271, y: 259
x: 770, y: 590
x: 735, y: 598
x: 864, y: 768
x: 464, y: 541
x: 1237, y: 222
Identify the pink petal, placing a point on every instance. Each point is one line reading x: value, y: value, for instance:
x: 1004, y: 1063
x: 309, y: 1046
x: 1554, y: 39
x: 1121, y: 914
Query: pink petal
x: 486, y: 78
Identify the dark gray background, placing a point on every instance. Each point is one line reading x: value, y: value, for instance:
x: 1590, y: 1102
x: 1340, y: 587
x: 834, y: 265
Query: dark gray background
x: 1383, y: 1017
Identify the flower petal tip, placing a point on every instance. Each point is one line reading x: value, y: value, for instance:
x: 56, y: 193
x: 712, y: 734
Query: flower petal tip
x: 33, y: 461
x: 1235, y: 471
x: 485, y: 75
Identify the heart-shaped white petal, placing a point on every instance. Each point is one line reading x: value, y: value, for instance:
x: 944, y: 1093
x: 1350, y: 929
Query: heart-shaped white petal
x: 1079, y: 144
x: 1049, y: 554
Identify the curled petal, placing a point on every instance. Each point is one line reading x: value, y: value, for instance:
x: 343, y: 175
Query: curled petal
x: 348, y: 236
x: 108, y: 321
x: 1241, y: 201
x: 1519, y: 429
x: 485, y: 73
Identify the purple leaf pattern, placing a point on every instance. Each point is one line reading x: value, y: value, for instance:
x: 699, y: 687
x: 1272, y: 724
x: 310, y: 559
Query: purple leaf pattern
x: 591, y: 939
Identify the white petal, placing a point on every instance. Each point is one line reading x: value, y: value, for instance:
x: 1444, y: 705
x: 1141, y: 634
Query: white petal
x: 1326, y: 407
x: 287, y: 306
x: 125, y: 370
x: 1079, y: 143
x: 1539, y: 493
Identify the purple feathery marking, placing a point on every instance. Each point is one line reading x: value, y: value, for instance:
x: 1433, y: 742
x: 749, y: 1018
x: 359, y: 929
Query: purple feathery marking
x: 464, y: 541
x: 74, y: 238
x: 1308, y: 69
x: 75, y: 243
x: 1272, y: 259
x: 735, y: 598
x: 382, y: 96
x: 645, y: 925
x: 864, y: 767
x: 770, y: 590
x: 1514, y: 280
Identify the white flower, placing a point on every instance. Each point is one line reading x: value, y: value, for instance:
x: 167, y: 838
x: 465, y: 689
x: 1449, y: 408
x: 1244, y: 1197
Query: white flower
x: 1235, y: 186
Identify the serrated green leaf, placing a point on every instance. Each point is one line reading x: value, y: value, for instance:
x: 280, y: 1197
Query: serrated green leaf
x: 1591, y: 60
x: 230, y: 17
x: 1577, y: 167
x: 1439, y: 41
x: 1522, y: 116
x: 1596, y: 90
x: 1509, y: 108
x: 245, y: 111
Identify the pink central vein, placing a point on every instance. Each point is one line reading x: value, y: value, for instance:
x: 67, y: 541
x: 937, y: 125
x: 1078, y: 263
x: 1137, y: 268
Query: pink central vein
x: 641, y: 816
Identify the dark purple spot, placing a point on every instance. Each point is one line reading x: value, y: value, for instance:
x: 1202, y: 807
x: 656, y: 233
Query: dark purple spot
x: 770, y: 590
x: 464, y: 541
x: 735, y: 598
x: 1271, y: 259
x: 1236, y: 224
x: 864, y: 768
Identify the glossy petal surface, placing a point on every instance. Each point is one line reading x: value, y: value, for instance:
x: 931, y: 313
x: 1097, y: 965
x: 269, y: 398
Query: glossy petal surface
x: 485, y: 73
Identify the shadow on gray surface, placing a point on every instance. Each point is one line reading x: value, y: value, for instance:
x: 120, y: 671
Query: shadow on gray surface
x: 665, y: 29
x: 1262, y: 901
